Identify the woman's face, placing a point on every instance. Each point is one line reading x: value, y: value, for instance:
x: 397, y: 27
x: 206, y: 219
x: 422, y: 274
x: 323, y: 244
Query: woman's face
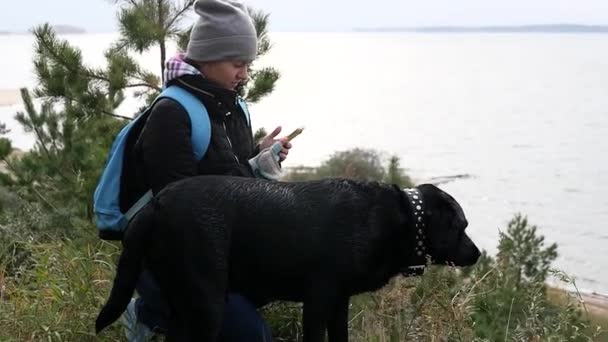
x: 227, y: 74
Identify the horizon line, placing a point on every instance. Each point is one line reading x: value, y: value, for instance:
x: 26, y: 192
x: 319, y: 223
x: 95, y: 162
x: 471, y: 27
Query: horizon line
x: 533, y: 28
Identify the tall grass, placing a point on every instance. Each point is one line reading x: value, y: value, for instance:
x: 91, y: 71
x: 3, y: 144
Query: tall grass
x: 56, y: 292
x: 52, y: 287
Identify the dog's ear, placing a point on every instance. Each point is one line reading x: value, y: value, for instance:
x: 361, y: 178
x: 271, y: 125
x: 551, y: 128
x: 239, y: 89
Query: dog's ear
x: 460, y: 221
x: 429, y: 194
x: 440, y: 200
x: 427, y: 187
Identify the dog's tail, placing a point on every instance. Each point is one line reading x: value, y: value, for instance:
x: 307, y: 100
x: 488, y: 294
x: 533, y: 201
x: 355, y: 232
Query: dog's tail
x: 129, y: 267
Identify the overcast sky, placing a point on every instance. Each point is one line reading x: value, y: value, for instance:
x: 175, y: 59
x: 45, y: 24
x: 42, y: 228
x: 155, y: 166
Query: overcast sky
x: 288, y: 15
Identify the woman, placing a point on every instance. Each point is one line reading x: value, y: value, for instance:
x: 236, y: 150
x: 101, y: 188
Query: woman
x: 222, y: 44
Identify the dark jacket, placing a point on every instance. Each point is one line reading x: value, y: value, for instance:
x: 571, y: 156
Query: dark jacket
x: 162, y: 153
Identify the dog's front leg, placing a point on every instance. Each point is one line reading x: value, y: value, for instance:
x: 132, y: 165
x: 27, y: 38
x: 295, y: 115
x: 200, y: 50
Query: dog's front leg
x: 315, y: 316
x: 337, y: 328
x: 319, y: 309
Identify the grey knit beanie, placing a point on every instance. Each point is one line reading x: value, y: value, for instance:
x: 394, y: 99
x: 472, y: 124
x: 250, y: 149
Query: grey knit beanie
x: 223, y: 31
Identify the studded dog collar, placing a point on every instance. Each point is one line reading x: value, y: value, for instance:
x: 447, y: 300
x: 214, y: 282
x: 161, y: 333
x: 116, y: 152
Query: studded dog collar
x: 416, y: 202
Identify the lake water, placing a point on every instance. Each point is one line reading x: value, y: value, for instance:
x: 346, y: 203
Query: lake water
x: 523, y: 116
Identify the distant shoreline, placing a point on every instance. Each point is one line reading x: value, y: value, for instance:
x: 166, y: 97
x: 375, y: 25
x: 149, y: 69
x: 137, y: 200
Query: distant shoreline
x: 59, y: 29
x: 557, y: 28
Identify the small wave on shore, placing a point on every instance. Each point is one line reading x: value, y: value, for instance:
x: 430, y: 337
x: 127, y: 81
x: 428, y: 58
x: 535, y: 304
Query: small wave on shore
x: 439, y: 180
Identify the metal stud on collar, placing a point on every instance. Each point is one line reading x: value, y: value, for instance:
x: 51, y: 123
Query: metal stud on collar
x: 415, y: 199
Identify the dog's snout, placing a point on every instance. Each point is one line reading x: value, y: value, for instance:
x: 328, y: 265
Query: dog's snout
x: 467, y: 253
x: 476, y: 254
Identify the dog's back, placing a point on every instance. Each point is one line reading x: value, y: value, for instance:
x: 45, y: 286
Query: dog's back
x: 279, y: 235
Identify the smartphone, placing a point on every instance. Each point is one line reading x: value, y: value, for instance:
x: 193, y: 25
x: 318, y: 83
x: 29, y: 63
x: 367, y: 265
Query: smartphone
x: 295, y: 133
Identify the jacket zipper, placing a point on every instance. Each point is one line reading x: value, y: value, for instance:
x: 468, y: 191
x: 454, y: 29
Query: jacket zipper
x: 230, y: 142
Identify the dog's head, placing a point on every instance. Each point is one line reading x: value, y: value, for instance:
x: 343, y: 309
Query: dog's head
x: 444, y: 238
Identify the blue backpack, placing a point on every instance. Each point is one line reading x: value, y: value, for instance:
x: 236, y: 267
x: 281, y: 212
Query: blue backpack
x: 109, y: 219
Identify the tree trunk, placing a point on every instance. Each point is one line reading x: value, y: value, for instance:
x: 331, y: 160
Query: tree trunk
x: 161, y: 41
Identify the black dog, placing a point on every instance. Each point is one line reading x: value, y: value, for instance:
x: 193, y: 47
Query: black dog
x: 313, y: 242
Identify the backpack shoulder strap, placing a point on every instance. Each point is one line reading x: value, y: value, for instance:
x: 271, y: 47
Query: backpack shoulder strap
x: 199, y: 118
x: 243, y: 105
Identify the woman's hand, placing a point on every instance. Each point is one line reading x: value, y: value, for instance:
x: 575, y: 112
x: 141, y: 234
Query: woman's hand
x: 269, y: 140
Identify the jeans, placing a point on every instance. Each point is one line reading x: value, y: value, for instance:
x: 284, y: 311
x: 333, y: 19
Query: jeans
x: 241, y: 321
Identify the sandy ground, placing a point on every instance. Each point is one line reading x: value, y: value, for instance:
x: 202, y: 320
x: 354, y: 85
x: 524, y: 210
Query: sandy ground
x: 596, y: 304
x: 9, y: 97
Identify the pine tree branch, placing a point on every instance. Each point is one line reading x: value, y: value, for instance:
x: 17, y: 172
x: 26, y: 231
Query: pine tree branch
x: 102, y: 111
x: 262, y: 84
x: 116, y: 115
x: 9, y: 165
x: 132, y: 2
x: 143, y: 84
x: 31, y: 111
x: 120, y: 45
x: 54, y: 144
x: 44, y: 200
x: 49, y: 47
x: 260, y: 20
x: 105, y: 112
x: 95, y: 75
x: 53, y: 131
x: 182, y: 39
x: 178, y: 15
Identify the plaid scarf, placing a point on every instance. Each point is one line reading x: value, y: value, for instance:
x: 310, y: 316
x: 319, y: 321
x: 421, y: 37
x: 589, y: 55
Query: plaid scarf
x: 176, y: 67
